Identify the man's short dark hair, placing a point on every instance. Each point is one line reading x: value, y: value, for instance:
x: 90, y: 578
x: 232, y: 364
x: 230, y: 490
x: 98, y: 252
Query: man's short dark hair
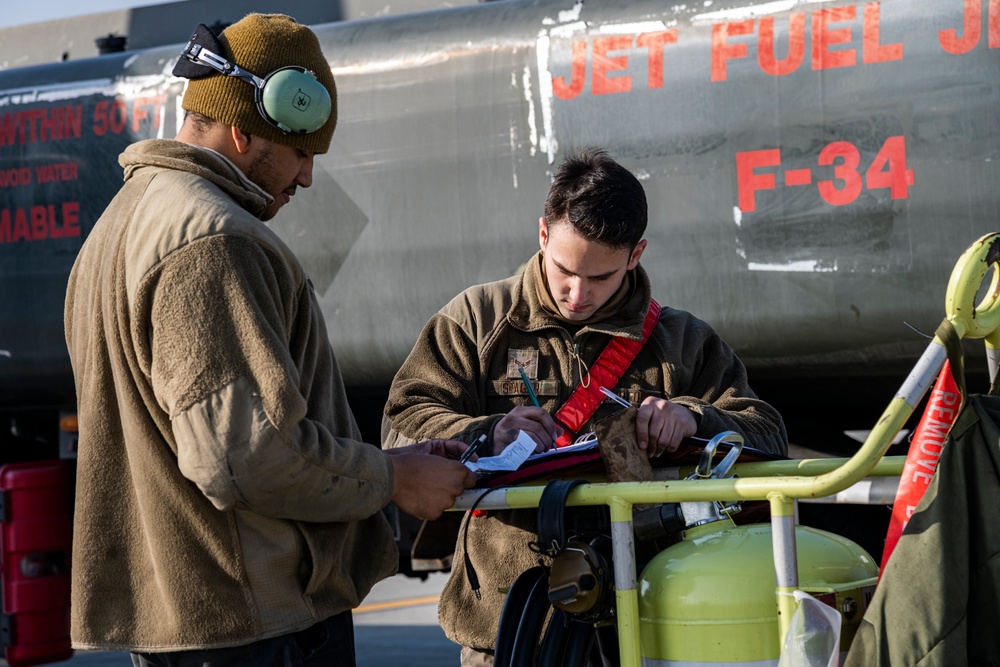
x: 603, y: 200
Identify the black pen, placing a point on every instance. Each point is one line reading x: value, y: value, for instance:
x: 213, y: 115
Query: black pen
x: 473, y: 448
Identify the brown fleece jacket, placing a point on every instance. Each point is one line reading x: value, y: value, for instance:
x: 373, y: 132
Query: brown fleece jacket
x: 459, y: 381
x: 223, y: 495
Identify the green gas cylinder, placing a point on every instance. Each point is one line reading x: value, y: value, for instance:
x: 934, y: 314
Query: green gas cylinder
x: 710, y: 599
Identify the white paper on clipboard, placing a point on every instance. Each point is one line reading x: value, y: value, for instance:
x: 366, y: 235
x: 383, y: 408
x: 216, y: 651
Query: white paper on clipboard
x: 510, y: 458
x: 521, y: 450
x: 588, y: 442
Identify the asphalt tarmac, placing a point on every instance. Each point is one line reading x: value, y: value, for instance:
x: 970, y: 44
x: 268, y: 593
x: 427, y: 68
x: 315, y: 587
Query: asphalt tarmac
x: 396, y: 625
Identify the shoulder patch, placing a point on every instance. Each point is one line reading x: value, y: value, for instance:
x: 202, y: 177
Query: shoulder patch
x: 522, y: 359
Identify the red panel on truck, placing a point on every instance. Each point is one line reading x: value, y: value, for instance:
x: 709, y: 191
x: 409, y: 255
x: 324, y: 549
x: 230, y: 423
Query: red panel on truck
x: 36, y: 526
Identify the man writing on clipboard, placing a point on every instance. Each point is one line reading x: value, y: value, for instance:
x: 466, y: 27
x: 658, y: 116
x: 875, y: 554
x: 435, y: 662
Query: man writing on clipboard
x: 581, y: 315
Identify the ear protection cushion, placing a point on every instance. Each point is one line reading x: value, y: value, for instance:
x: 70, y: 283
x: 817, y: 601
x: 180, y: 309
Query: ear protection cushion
x: 291, y: 98
x: 580, y: 579
x: 295, y: 100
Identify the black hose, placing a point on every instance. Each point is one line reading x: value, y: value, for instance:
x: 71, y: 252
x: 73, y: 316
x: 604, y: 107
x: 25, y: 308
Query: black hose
x: 554, y: 642
x: 510, y: 615
x: 578, y: 644
x: 530, y: 627
x: 608, y: 647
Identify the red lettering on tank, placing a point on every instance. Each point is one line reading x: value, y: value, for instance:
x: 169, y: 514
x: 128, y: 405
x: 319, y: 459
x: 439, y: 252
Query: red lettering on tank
x: 147, y: 110
x: 578, y: 74
x: 795, y: 177
x: 748, y: 181
x: 139, y: 114
x: 949, y: 39
x: 823, y: 37
x: 830, y: 43
x: 608, y: 72
x: 831, y: 47
x: 655, y: 41
x: 20, y: 226
x: 110, y: 116
x: 796, y: 45
x: 873, y: 51
x: 60, y: 171
x: 41, y: 125
x: 38, y: 223
x: 845, y: 186
x: 993, y: 22
x: 972, y: 28
x: 833, y: 43
x: 70, y: 219
x: 888, y: 170
x: 603, y: 64
x: 722, y: 50
x: 17, y: 176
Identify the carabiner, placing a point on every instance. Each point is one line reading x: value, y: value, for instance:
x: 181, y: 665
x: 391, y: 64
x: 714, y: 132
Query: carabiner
x: 705, y: 469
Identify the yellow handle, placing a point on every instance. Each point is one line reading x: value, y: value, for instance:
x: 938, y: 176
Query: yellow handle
x: 970, y: 320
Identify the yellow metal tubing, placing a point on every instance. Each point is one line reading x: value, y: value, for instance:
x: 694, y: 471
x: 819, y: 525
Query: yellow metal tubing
x: 626, y: 595
x: 969, y: 321
x: 785, y: 562
x: 888, y: 466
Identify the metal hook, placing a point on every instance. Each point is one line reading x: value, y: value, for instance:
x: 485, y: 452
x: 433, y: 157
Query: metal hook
x: 705, y: 469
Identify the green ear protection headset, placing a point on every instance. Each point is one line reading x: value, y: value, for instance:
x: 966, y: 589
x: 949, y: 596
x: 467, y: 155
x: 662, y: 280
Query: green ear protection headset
x: 289, y: 98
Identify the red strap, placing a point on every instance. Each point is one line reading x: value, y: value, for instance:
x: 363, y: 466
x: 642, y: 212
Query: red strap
x: 925, y: 450
x: 606, y: 371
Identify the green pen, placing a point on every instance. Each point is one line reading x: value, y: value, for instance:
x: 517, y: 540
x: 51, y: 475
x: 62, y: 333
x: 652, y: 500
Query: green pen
x: 527, y: 384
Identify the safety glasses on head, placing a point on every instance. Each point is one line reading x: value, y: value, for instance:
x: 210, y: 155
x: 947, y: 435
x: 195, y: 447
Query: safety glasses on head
x: 289, y: 98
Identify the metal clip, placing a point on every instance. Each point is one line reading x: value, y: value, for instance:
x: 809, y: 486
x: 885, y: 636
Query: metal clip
x: 705, y: 469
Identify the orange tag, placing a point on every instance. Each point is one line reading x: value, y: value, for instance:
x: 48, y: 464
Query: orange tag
x: 922, y: 459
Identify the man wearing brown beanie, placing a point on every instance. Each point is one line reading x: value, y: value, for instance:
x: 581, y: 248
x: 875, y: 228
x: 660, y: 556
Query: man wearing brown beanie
x: 227, y: 512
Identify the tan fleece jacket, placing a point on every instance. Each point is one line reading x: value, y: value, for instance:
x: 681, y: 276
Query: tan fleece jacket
x: 223, y: 493
x: 459, y: 381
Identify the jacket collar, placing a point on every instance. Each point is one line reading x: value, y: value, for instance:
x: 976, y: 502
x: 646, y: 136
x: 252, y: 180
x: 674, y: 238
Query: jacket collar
x: 213, y: 166
x: 528, y: 314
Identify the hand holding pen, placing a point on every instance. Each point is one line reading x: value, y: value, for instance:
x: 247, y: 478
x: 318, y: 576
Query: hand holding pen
x: 529, y: 387
x: 532, y: 419
x: 660, y: 424
x: 473, y: 449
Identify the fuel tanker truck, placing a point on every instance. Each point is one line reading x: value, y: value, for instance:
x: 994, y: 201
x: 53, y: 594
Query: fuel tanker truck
x: 812, y: 170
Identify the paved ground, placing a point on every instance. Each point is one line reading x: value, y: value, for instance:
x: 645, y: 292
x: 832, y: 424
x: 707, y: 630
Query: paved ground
x: 407, y: 634
x: 397, y: 625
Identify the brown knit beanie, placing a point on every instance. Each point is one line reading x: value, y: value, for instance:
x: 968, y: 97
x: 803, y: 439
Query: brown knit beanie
x: 262, y: 43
